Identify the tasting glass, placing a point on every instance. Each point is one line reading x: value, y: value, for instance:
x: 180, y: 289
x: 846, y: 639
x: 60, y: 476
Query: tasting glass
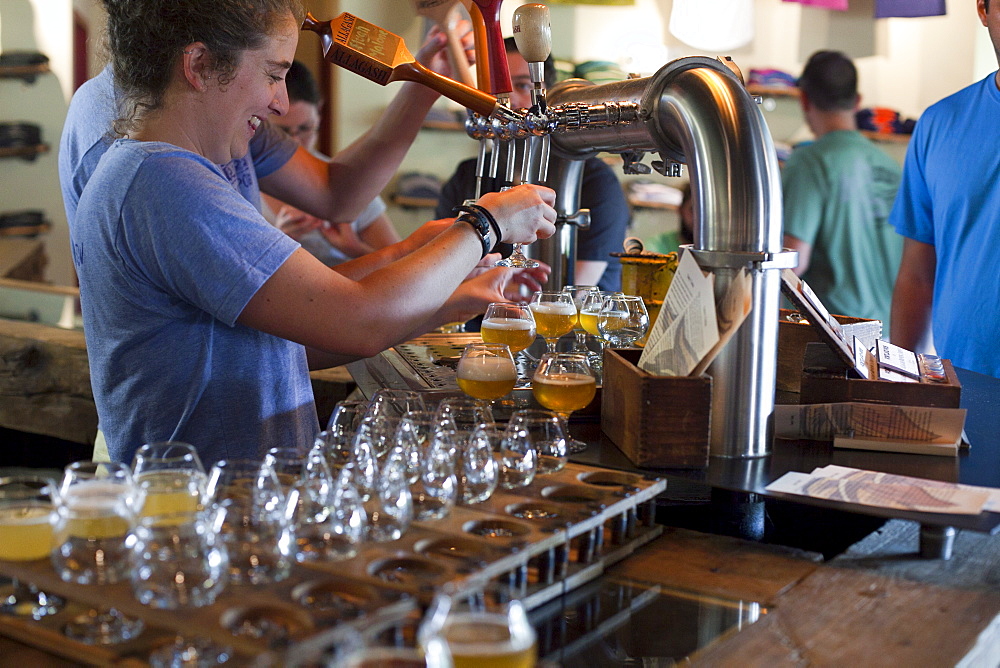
x: 518, y: 459
x: 27, y: 509
x: 412, y: 439
x: 478, y: 472
x: 464, y: 415
x: 434, y: 488
x: 486, y: 371
x: 378, y: 434
x: 345, y: 418
x: 564, y: 382
x: 256, y: 526
x: 390, y: 507
x: 189, y: 653
x: 555, y: 315
x: 320, y: 534
x: 95, y: 512
x: 483, y: 626
x: 171, y: 478
x: 512, y: 324
x: 95, y: 515
x: 579, y: 293
x: 388, y: 402
x: 546, y: 432
x: 178, y: 559
x: 622, y: 320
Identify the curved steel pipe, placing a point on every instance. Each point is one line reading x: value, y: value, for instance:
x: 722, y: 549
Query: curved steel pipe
x: 696, y: 110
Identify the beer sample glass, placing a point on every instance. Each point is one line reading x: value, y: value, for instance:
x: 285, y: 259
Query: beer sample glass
x: 388, y: 402
x: 513, y: 324
x: 579, y: 294
x: 517, y: 457
x: 486, y: 370
x: 555, y: 315
x: 478, y: 471
x: 546, y: 432
x: 95, y: 513
x: 622, y: 320
x: 178, y: 559
x: 171, y: 478
x: 483, y: 627
x: 434, y: 488
x: 27, y: 508
x: 564, y: 382
x: 256, y: 527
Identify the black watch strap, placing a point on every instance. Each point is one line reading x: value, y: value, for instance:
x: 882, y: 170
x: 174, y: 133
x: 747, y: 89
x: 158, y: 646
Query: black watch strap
x: 482, y: 228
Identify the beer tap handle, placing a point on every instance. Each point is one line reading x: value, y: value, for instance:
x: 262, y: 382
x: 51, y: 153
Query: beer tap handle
x: 533, y: 35
x: 499, y: 72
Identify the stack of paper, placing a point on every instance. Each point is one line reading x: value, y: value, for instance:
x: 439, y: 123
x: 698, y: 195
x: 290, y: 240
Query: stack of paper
x: 885, y: 490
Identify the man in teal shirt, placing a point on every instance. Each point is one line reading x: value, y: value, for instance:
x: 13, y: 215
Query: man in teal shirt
x: 837, y: 195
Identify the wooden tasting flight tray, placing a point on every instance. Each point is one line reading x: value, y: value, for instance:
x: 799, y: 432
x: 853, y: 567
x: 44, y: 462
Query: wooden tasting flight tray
x: 563, y: 530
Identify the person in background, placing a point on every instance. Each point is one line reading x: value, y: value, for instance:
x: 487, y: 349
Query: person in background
x: 330, y: 243
x: 601, y: 193
x: 670, y: 242
x: 837, y: 194
x: 948, y: 209
x: 201, y: 318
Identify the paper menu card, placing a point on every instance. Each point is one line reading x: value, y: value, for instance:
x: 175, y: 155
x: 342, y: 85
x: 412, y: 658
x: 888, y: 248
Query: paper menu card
x: 691, y: 329
x: 885, y: 490
x: 916, y: 429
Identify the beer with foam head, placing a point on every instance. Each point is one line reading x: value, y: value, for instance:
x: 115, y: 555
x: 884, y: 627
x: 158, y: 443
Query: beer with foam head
x: 518, y: 334
x: 564, y: 392
x: 486, y: 377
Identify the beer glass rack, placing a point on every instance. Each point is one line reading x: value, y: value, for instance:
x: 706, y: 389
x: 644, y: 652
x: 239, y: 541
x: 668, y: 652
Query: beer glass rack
x: 541, y: 541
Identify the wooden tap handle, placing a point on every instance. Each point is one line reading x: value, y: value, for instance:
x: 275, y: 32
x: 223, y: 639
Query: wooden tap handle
x: 471, y: 98
x: 499, y: 72
x: 482, y: 51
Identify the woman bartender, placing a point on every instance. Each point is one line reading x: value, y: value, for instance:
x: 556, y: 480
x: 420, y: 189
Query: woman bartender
x: 199, y: 314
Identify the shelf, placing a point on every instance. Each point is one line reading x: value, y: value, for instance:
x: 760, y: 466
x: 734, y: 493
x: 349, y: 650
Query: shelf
x: 414, y: 202
x: 886, y: 137
x: 26, y: 152
x: 773, y: 91
x: 25, y: 72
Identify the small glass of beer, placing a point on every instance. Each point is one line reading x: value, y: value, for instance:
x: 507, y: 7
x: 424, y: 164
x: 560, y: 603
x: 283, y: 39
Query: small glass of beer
x: 555, y: 315
x: 482, y: 626
x: 486, y: 370
x: 564, y: 382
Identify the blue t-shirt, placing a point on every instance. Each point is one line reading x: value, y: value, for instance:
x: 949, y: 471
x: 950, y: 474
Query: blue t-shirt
x: 949, y: 198
x: 86, y: 136
x: 168, y: 259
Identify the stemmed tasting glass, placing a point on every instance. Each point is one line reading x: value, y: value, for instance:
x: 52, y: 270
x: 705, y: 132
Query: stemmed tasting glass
x: 27, y: 507
x: 346, y: 417
x: 257, y: 520
x: 486, y: 370
x: 518, y: 457
x: 391, y: 403
x: 555, y: 315
x: 463, y: 415
x: 481, y: 626
x: 508, y: 323
x: 478, y: 471
x: 564, y: 382
x: 96, y: 512
x: 171, y: 477
x: 545, y: 431
x: 579, y: 294
x: 622, y: 320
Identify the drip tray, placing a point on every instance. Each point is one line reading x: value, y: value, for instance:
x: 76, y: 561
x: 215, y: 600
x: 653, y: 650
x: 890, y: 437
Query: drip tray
x: 612, y: 622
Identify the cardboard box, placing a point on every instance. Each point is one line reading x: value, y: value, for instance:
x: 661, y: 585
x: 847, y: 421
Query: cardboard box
x: 793, y: 337
x: 657, y: 421
x: 825, y: 380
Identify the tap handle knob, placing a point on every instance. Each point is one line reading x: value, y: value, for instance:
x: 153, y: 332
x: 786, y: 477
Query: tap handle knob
x: 533, y: 32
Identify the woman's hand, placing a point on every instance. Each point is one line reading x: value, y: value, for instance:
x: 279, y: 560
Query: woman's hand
x: 295, y: 223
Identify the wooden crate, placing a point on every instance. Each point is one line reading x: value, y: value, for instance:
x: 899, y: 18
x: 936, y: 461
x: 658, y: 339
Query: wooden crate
x: 825, y: 380
x: 793, y: 337
x: 655, y: 420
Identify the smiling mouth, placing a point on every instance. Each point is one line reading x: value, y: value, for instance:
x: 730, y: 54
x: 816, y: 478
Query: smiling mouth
x: 254, y: 123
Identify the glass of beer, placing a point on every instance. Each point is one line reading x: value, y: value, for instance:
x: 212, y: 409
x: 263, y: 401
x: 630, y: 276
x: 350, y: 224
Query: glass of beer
x: 564, y: 382
x: 171, y: 476
x: 482, y: 626
x: 27, y: 508
x: 513, y: 324
x: 622, y: 320
x: 486, y: 370
x: 555, y: 315
x: 579, y: 293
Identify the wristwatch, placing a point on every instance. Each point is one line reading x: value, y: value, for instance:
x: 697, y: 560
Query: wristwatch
x: 482, y: 228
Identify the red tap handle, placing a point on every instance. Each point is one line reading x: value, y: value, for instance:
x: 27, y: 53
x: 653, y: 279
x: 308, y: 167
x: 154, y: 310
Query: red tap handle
x: 499, y: 72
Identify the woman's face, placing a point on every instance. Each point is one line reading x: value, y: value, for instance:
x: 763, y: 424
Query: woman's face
x: 256, y: 91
